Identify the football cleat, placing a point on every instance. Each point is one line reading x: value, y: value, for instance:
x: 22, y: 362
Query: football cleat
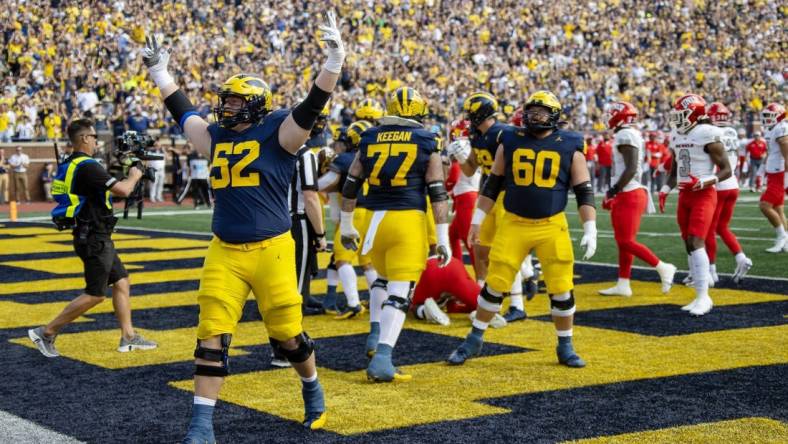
x: 312, y: 311
x: 350, y: 312
x: 666, y: 274
x: 381, y: 369
x: 514, y: 314
x: 617, y: 290
x: 199, y: 436
x: 687, y: 280
x: 434, y: 313
x: 530, y: 287
x: 314, y: 406
x: 779, y: 245
x: 568, y: 357
x: 690, y: 306
x: 497, y: 321
x: 702, y: 306
x: 330, y: 303
x: 470, y: 347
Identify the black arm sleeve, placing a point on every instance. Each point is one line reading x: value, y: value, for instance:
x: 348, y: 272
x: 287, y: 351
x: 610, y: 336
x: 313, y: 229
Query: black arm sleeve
x: 306, y: 113
x: 437, y: 191
x: 180, y: 107
x: 584, y: 193
x: 492, y: 186
x: 352, y: 185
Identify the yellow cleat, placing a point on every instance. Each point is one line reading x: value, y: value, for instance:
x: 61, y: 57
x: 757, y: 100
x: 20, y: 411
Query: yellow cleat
x: 351, y: 312
x: 316, y: 423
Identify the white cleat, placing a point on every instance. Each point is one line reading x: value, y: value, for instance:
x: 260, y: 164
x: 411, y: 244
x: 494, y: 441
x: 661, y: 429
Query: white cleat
x: 497, y: 321
x: 779, y: 245
x: 688, y: 281
x: 434, y: 313
x: 702, y: 306
x: 742, y: 268
x: 691, y: 305
x: 616, y: 290
x: 666, y: 275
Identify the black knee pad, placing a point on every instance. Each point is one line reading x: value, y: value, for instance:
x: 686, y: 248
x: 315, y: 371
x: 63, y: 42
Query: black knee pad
x: 491, y: 298
x: 380, y: 283
x: 215, y: 355
x: 399, y: 302
x: 563, y: 308
x: 301, y: 353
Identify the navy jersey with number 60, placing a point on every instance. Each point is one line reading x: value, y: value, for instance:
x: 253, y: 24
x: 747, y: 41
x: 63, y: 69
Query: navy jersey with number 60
x: 395, y: 160
x: 538, y: 171
x: 250, y: 175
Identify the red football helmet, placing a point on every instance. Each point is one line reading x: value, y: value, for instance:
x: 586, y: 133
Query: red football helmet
x: 517, y: 117
x: 719, y: 114
x: 686, y: 112
x: 773, y: 114
x: 620, y: 113
x: 459, y: 128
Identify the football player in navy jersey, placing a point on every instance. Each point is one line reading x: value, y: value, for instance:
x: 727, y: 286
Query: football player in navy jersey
x: 252, y: 147
x: 536, y: 166
x: 400, y: 160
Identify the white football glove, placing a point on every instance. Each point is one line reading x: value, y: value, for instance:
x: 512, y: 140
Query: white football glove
x: 348, y: 234
x: 460, y: 149
x: 156, y: 58
x: 589, y: 239
x: 335, y: 49
x: 443, y: 248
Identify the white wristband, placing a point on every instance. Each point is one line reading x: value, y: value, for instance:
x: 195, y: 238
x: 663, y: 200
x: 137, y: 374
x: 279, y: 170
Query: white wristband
x: 336, y: 58
x: 710, y: 178
x: 442, y: 232
x: 589, y: 227
x: 345, y: 220
x: 478, y: 216
x: 161, y: 78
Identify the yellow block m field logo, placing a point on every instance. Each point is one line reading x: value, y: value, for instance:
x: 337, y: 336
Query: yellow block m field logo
x: 652, y: 374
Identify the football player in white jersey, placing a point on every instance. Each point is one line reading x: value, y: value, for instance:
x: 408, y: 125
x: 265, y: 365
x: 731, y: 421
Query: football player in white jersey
x: 727, y: 194
x: 697, y: 149
x: 627, y: 199
x: 772, y: 200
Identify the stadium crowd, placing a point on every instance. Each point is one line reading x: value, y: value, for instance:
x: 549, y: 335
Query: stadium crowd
x: 62, y: 60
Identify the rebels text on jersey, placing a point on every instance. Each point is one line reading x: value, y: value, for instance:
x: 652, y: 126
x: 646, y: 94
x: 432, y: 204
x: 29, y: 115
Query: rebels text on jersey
x: 250, y: 175
x: 395, y: 160
x: 692, y: 159
x: 538, y: 171
x: 631, y: 137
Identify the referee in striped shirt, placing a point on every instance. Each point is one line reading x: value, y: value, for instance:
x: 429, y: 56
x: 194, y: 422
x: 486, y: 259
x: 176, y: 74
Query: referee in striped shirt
x: 307, y: 229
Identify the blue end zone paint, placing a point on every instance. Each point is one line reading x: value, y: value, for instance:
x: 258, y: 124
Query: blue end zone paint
x: 668, y: 320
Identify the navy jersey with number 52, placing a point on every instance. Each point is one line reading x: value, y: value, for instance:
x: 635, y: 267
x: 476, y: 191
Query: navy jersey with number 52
x: 395, y: 160
x: 250, y: 176
x: 538, y: 171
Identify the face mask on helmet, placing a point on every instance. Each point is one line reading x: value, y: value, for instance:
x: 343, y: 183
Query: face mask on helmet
x: 539, y: 118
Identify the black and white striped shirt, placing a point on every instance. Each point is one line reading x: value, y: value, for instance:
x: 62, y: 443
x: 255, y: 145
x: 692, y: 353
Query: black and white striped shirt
x: 305, y: 178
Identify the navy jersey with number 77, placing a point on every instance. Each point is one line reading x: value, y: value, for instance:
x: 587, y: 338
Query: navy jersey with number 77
x: 395, y: 160
x: 250, y: 175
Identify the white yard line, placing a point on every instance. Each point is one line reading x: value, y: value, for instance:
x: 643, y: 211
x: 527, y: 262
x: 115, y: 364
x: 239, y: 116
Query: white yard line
x: 609, y: 233
x: 22, y: 431
x: 640, y: 267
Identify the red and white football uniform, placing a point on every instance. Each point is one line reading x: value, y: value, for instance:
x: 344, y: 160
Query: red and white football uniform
x: 629, y: 205
x: 727, y: 194
x: 464, y: 190
x: 695, y: 208
x: 775, y: 165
